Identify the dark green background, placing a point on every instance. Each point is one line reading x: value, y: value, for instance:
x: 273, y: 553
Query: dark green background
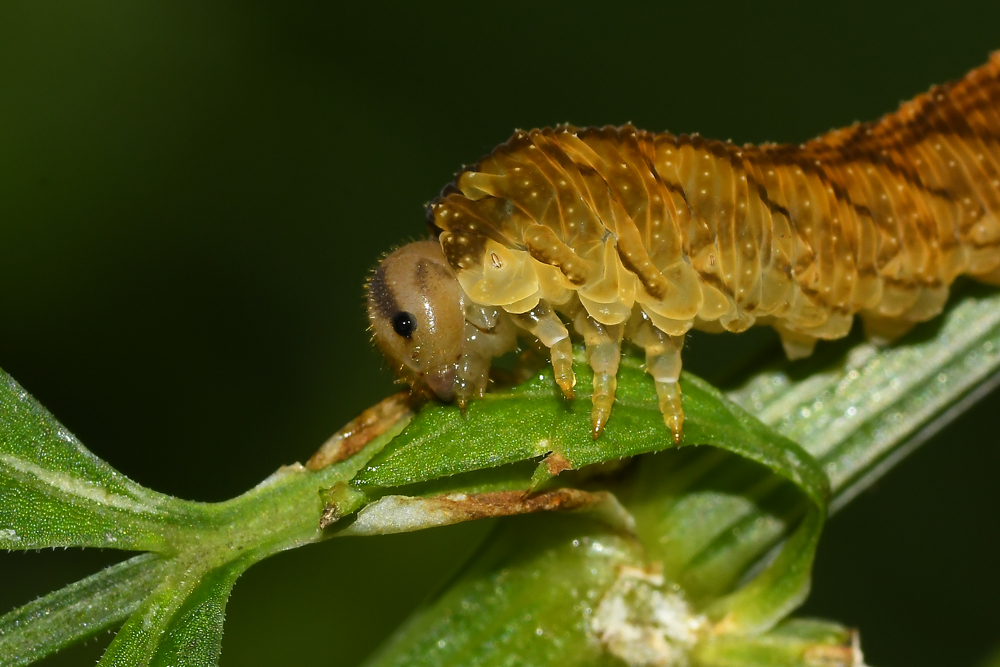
x: 191, y: 194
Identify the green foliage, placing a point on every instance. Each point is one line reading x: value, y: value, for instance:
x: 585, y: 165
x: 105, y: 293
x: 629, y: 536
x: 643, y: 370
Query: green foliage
x: 442, y: 442
x: 707, y: 519
x: 174, y: 601
x: 79, y: 610
x: 53, y: 492
x: 716, y: 551
x: 180, y: 623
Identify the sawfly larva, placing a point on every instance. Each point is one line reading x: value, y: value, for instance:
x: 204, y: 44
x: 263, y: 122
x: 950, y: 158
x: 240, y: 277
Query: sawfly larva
x: 630, y: 235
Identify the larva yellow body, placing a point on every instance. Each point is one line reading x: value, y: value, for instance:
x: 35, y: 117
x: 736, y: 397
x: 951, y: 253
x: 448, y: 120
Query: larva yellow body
x: 636, y: 235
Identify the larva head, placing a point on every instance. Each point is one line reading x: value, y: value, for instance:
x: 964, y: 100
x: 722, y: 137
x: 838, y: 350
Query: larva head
x: 417, y: 315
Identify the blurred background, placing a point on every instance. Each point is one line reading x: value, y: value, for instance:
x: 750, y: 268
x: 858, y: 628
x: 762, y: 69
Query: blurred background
x: 192, y: 193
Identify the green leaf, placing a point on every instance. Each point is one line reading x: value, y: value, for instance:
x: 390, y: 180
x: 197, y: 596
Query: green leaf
x: 861, y: 410
x: 779, y: 589
x: 533, y: 420
x: 794, y: 643
x: 559, y: 590
x: 78, y: 611
x: 54, y: 492
x: 562, y: 591
x: 176, y: 600
x: 180, y: 624
x: 527, y: 600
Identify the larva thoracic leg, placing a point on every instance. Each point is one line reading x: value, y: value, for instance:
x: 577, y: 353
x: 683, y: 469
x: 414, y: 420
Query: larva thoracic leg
x: 604, y: 351
x: 543, y: 323
x: 488, y: 334
x: 663, y: 362
x: 616, y: 227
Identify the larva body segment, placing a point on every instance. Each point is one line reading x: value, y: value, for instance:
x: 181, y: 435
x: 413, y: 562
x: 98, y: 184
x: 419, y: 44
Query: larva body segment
x: 629, y: 234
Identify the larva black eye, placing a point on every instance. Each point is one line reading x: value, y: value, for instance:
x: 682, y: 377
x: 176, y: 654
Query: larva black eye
x: 404, y: 324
